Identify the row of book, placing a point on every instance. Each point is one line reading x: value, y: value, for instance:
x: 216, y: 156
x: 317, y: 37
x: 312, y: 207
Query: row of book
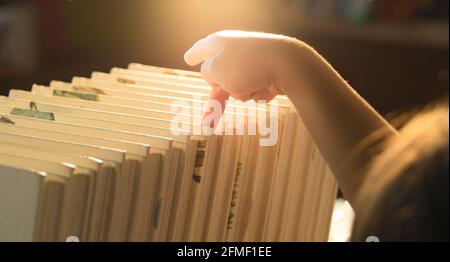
x: 103, y: 159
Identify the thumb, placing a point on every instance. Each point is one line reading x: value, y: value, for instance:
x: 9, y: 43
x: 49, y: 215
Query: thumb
x: 217, y: 97
x: 202, y: 50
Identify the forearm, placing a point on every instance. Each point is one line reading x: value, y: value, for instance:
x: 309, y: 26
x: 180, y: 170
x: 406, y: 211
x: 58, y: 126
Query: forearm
x: 251, y: 65
x: 337, y: 118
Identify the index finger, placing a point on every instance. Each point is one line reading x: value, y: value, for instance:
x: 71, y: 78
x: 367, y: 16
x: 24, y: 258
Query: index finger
x: 217, y: 95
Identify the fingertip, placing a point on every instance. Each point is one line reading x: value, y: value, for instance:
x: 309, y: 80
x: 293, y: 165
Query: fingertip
x: 217, y: 96
x: 188, y: 58
x: 218, y: 93
x: 202, y: 50
x: 193, y: 56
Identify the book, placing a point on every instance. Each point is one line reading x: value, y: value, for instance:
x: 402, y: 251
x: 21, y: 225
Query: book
x: 37, y: 189
x: 24, y: 138
x: 133, y: 142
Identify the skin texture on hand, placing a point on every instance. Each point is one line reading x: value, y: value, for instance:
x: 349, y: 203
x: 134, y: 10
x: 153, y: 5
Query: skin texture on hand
x: 250, y: 65
x: 252, y: 77
x: 238, y: 64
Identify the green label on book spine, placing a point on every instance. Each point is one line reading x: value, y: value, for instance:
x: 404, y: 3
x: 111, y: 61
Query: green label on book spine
x: 125, y: 81
x: 70, y: 94
x: 33, y: 114
x: 88, y: 89
x: 5, y: 120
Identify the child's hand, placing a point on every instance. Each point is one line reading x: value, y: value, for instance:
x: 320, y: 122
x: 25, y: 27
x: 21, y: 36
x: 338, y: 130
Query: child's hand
x: 242, y: 64
x: 248, y: 65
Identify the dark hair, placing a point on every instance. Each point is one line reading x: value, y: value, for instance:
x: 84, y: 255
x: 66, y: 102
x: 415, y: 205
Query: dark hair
x: 405, y: 196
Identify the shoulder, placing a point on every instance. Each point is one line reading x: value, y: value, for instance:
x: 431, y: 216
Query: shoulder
x: 405, y: 196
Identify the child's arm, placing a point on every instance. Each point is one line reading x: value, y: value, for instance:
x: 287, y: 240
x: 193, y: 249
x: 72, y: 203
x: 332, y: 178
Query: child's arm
x: 258, y: 66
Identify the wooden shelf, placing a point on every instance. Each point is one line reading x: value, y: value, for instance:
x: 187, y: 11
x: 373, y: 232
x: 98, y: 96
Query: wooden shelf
x: 422, y: 34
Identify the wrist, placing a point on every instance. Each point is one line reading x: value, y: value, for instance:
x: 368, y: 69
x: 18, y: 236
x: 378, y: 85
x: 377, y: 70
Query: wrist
x: 292, y: 64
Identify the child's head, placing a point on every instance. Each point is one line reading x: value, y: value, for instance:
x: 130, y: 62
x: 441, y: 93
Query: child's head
x: 405, y: 195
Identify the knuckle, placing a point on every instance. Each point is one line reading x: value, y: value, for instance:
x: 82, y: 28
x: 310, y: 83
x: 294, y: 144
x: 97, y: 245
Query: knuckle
x: 204, y: 70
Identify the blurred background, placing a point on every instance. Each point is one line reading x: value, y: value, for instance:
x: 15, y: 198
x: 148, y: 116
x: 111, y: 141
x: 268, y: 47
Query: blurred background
x: 394, y: 53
